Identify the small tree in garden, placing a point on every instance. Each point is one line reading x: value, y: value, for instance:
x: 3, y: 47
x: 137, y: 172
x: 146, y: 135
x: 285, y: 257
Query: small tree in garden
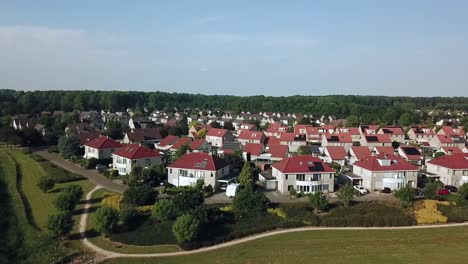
x: 45, y: 184
x: 346, y: 194
x: 248, y: 201
x: 140, y: 195
x: 395, y: 144
x: 188, y: 199
x: 318, y: 201
x: 246, y: 176
x: 128, y: 215
x: 60, y: 223
x: 405, y: 195
x: 186, y: 228
x: 106, y: 220
x: 463, y: 191
x: 75, y: 191
x: 164, y: 210
x: 438, y: 154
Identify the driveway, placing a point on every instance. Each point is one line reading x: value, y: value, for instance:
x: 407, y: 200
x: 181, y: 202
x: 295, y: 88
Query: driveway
x: 91, y: 175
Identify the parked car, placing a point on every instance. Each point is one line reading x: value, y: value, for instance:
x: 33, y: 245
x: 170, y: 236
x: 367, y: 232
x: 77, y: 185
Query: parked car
x: 443, y: 191
x: 101, y: 167
x: 386, y: 190
x: 451, y: 188
x: 361, y: 190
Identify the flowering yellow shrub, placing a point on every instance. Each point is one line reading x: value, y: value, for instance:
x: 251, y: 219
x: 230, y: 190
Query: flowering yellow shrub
x: 429, y: 214
x: 144, y: 209
x: 278, y: 212
x: 227, y: 208
x: 112, y: 201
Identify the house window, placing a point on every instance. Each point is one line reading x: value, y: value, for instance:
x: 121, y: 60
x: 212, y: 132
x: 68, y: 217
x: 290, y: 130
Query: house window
x: 170, y: 170
x: 147, y: 162
x: 465, y: 173
x: 286, y: 176
x: 183, y: 173
x: 315, y: 177
x: 325, y: 187
x: 300, y: 177
x: 290, y: 187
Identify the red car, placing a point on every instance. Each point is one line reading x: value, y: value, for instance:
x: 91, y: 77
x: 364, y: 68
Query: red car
x: 443, y: 191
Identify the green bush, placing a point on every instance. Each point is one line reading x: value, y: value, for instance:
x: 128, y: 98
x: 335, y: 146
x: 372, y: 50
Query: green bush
x: 430, y: 190
x: 457, y: 213
x: 129, y: 216
x: 318, y: 201
x: 463, y: 191
x: 75, y: 191
x: 406, y: 195
x: 61, y: 223
x: 367, y: 214
x: 188, y: 200
x: 164, y: 210
x: 106, y: 220
x: 248, y: 201
x: 139, y: 195
x: 147, y: 234
x: 45, y: 184
x: 186, y: 228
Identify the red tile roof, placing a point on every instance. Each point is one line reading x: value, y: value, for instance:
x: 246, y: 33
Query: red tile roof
x: 103, y: 142
x: 169, y: 140
x: 396, y: 163
x: 302, y: 164
x: 278, y: 151
x: 276, y: 128
x: 343, y: 138
x: 361, y: 152
x: 135, y: 151
x: 381, y: 138
x: 217, y: 132
x: 290, y: 137
x: 254, y: 148
x: 423, y: 130
x: 348, y: 130
x: 249, y: 127
x: 336, y: 152
x: 197, y: 143
x: 411, y: 152
x: 181, y: 142
x: 251, y: 135
x: 139, y: 135
x: 454, y: 150
x: 454, y: 161
x: 450, y: 131
x: 384, y: 150
x: 199, y: 161
x: 272, y: 141
x: 301, y: 128
x: 86, y: 136
x: 445, y: 139
x: 365, y: 128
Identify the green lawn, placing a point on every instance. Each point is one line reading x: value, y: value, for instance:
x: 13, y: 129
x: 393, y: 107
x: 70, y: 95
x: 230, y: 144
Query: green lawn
x: 41, y: 204
x: 106, y: 243
x: 445, y: 245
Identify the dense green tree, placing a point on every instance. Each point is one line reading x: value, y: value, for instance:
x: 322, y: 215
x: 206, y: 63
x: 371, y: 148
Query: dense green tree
x: 188, y: 199
x: 246, y: 177
x: 181, y: 151
x: 304, y: 150
x: 395, y: 144
x: 463, y: 191
x: 229, y: 126
x: 76, y: 191
x: 406, y: 195
x: 65, y: 202
x: 235, y: 160
x: 69, y: 146
x: 352, y: 121
x: 139, y: 195
x: 46, y: 183
x: 248, y: 201
x: 164, y: 210
x: 405, y: 119
x: 438, y: 154
x: 60, y: 223
x: 430, y: 190
x: 107, y: 219
x: 186, y: 228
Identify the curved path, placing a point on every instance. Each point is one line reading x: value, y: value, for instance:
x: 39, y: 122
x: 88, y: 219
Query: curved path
x: 106, y: 254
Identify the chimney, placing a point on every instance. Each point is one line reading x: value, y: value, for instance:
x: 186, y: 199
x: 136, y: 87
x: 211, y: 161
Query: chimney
x: 373, y: 153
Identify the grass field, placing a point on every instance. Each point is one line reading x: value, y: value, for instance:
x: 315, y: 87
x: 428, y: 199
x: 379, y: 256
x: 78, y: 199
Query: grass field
x: 445, y: 245
x: 41, y: 204
x: 106, y: 243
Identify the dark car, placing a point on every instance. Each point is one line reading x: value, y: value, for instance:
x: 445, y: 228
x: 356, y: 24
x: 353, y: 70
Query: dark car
x: 451, y: 188
x: 101, y: 167
x: 443, y: 191
x: 386, y: 190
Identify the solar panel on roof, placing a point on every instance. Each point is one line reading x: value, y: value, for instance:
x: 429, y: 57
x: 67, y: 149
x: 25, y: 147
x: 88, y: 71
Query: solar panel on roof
x: 411, y: 151
x: 372, y: 139
x: 387, y: 131
x: 334, y: 139
x: 317, y: 167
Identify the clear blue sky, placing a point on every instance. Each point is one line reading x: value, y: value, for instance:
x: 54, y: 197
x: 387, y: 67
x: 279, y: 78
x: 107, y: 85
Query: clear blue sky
x: 271, y: 47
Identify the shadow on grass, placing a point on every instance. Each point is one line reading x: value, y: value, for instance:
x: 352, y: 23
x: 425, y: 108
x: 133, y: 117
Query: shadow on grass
x: 79, y: 235
x: 82, y: 210
x: 92, y: 201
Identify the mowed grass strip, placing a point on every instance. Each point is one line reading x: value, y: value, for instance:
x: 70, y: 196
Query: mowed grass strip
x: 107, y: 243
x: 444, y: 245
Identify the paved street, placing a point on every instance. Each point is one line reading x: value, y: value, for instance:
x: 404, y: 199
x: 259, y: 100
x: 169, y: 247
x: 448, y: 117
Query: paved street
x: 92, y: 175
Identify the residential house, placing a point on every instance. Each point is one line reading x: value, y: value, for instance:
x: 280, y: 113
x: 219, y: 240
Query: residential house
x: 217, y: 136
x: 142, y: 135
x: 274, y: 130
x: 100, y: 148
x: 166, y: 143
x: 128, y: 157
x: 336, y: 154
x: 180, y: 143
x: 368, y: 129
x: 442, y: 140
x: 450, y: 131
x: 358, y: 153
x: 396, y: 133
x: 382, y: 150
x: 200, y: 145
x: 254, y: 150
x: 452, y: 168
x: 230, y: 147
x: 385, y: 171
x: 375, y: 140
x: 421, y: 134
x: 451, y: 150
x: 305, y: 174
x: 247, y: 136
x: 293, y: 141
x: 341, y: 140
x: 315, y: 134
x: 352, y: 131
x: 411, y: 154
x: 277, y: 152
x: 194, y: 166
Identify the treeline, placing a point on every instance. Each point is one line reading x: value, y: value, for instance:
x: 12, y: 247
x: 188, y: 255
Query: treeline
x: 14, y: 102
